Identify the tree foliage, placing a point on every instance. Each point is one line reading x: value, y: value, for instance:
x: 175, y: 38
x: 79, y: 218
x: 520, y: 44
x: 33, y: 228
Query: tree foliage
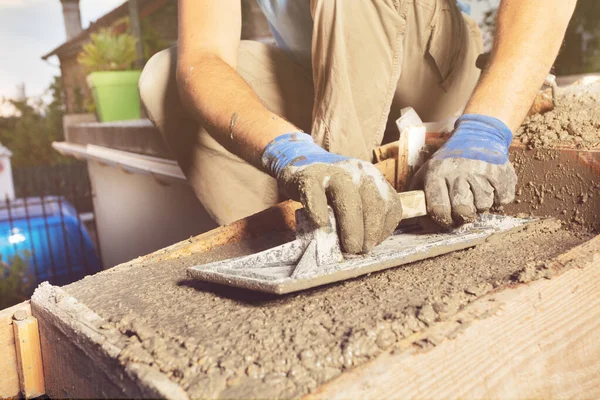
x: 16, y: 281
x: 580, y: 52
x: 30, y: 132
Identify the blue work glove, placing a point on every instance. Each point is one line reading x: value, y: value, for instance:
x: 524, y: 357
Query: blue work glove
x: 470, y: 173
x: 366, y: 207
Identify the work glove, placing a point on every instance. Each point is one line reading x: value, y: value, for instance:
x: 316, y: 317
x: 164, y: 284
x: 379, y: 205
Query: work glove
x: 366, y: 207
x: 470, y: 173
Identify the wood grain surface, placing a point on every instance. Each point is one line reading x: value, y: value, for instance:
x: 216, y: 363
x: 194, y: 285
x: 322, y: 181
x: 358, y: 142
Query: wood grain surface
x: 9, y: 376
x: 29, y: 357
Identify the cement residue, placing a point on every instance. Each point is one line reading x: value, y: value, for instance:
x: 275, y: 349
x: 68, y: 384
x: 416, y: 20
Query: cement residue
x: 575, y: 121
x: 225, y: 342
x: 557, y: 183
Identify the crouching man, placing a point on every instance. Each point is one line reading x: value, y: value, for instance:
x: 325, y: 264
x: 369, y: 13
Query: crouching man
x: 252, y: 124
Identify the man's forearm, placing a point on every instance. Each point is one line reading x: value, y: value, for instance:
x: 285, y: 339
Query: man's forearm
x: 528, y: 37
x: 228, y: 107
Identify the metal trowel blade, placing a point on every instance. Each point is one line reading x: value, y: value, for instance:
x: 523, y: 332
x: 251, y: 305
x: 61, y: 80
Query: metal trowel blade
x: 277, y: 270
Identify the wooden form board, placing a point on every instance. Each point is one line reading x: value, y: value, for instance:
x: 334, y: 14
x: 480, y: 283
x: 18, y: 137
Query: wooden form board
x: 532, y: 341
x: 29, y: 356
x: 536, y: 340
x: 9, y: 370
x: 417, y: 380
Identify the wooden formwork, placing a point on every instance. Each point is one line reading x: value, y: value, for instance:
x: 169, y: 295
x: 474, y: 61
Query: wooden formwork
x: 535, y: 341
x: 21, y: 371
x: 531, y: 340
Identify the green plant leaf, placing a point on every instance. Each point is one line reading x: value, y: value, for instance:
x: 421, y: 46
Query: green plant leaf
x: 16, y: 281
x: 108, y: 51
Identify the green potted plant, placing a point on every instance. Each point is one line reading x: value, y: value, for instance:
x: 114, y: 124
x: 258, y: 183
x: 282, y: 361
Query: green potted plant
x: 109, y: 60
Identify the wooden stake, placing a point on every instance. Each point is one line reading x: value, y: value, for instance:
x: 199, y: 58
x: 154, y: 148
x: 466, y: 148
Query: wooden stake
x: 29, y: 355
x: 9, y: 376
x: 403, y: 169
x: 388, y: 170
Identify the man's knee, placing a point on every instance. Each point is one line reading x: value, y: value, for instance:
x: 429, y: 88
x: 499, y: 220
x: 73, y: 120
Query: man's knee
x: 158, y: 86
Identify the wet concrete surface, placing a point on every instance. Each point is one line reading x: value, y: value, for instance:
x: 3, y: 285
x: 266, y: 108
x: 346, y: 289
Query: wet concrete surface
x: 222, y: 342
x: 564, y: 184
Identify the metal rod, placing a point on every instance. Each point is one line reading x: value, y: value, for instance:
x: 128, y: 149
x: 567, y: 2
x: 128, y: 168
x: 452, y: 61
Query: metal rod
x: 47, y: 229
x: 98, y: 244
x: 10, y: 221
x: 31, y: 241
x: 64, y: 231
x: 80, y: 230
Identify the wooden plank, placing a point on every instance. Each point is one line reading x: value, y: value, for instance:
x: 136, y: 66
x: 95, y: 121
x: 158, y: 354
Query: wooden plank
x: 385, y: 152
x: 29, y: 355
x: 388, y: 169
x: 280, y: 218
x: 531, y: 341
x: 9, y: 377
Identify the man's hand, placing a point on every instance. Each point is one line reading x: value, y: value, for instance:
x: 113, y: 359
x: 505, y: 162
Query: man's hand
x: 366, y: 207
x: 470, y: 173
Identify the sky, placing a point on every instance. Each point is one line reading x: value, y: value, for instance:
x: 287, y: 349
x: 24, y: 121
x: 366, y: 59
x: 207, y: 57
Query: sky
x: 30, y: 29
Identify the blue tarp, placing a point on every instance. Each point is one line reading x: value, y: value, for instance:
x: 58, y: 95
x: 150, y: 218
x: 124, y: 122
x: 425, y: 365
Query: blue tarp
x: 57, y: 255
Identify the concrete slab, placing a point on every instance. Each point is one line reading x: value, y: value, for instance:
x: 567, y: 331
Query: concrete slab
x: 215, y: 342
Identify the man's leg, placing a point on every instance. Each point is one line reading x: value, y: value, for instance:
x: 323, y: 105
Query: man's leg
x: 228, y: 187
x: 439, y: 74
x: 357, y: 52
x: 372, y: 58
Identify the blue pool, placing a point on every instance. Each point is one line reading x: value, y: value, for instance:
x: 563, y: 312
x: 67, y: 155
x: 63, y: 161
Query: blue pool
x: 57, y: 245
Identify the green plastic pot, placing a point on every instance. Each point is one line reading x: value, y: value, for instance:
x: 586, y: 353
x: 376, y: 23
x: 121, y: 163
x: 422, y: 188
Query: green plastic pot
x: 116, y: 94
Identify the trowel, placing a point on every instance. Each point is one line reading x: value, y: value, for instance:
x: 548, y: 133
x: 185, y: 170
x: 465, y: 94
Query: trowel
x: 315, y: 257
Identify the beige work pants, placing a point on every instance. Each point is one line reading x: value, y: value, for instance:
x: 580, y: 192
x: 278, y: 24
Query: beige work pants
x: 370, y: 58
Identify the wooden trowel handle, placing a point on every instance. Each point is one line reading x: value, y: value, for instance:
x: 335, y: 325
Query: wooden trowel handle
x: 413, y: 204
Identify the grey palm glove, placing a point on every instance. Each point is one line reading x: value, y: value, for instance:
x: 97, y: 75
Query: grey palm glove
x: 470, y: 173
x: 366, y: 207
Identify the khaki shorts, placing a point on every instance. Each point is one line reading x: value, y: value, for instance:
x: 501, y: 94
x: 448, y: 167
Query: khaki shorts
x: 417, y: 53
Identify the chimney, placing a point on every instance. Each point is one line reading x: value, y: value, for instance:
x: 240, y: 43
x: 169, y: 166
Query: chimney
x: 72, y: 18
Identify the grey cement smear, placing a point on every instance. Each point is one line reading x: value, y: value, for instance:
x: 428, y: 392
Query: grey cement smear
x: 273, y: 270
x: 220, y: 342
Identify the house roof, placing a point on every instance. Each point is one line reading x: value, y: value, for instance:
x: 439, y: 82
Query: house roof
x: 147, y: 7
